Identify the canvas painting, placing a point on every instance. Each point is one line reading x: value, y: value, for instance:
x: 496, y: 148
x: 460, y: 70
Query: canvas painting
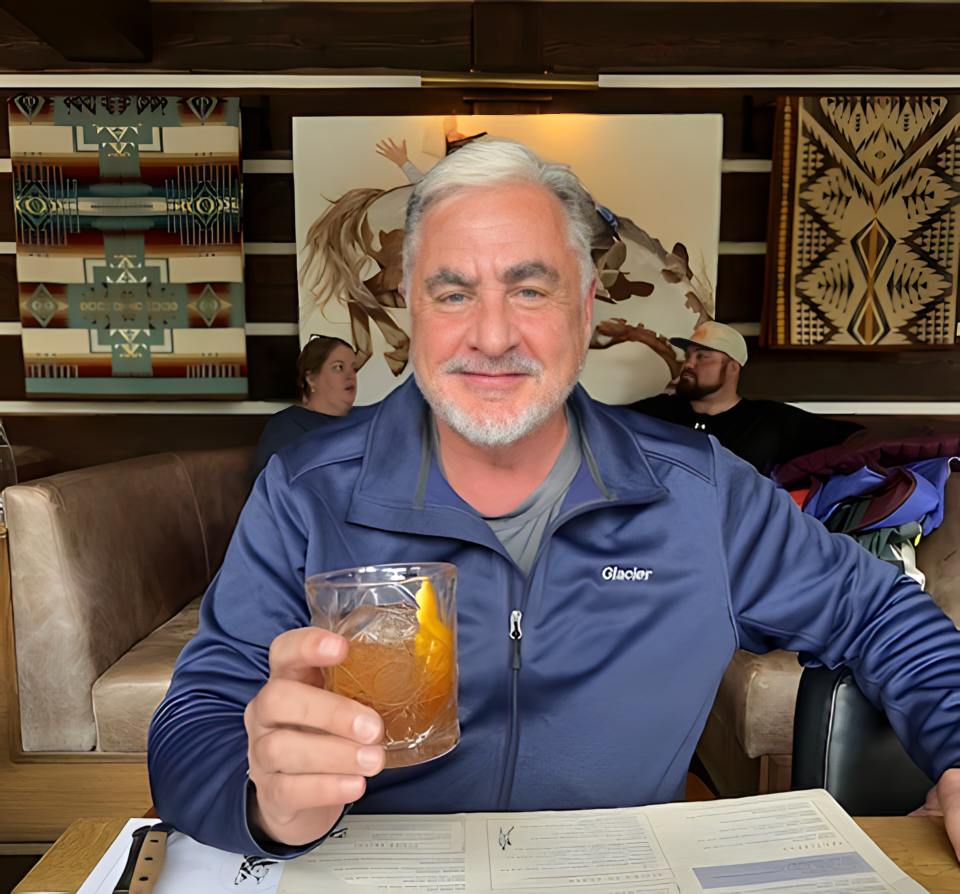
x: 129, y: 253
x: 865, y: 239
x: 656, y: 181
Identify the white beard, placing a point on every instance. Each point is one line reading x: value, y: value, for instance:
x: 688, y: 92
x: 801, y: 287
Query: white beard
x: 495, y: 429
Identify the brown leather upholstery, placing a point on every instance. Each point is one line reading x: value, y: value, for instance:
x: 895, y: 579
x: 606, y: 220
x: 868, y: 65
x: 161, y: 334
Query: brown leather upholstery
x: 938, y: 554
x: 756, y: 700
x: 129, y: 691
x: 99, y: 559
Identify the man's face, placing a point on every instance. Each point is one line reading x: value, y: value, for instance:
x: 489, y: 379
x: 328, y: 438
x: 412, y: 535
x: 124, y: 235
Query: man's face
x: 500, y: 326
x: 704, y: 372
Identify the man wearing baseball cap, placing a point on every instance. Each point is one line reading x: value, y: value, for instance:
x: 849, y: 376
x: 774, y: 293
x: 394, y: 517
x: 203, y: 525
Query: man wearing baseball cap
x: 765, y: 433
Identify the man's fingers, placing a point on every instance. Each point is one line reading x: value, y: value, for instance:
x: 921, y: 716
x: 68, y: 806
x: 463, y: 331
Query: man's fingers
x: 297, y: 653
x: 296, y: 753
x: 948, y: 797
x: 930, y: 807
x: 281, y: 797
x: 290, y: 703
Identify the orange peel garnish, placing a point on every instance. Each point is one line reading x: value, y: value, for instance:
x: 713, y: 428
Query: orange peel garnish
x: 434, y: 642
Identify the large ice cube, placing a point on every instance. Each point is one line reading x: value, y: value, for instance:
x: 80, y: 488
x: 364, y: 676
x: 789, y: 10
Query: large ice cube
x: 393, y: 624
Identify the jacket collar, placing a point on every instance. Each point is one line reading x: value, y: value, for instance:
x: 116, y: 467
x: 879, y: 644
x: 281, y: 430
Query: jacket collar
x: 400, y: 488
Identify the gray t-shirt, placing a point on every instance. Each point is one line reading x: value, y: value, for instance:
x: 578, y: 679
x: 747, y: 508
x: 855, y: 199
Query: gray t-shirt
x: 521, y: 531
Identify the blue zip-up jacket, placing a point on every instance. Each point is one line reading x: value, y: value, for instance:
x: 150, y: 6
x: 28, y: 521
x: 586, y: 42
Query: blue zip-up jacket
x: 616, y: 673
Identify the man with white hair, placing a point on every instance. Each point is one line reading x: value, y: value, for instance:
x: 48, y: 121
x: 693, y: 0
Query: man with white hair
x: 766, y: 433
x: 494, y: 460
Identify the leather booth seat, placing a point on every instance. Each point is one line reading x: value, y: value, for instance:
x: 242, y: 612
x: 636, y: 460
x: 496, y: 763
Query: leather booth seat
x: 128, y: 692
x: 747, y: 745
x: 107, y: 568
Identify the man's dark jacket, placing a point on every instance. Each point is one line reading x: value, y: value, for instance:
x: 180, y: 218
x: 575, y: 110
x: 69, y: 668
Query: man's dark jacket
x: 669, y: 553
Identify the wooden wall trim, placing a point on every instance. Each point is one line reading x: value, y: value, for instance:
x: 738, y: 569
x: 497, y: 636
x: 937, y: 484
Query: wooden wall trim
x: 905, y: 81
x: 141, y: 408
x: 238, y: 83
x: 880, y: 407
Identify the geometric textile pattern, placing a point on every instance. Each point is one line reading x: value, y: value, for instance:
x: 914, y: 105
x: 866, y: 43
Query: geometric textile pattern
x: 129, y: 245
x: 864, y: 243
x: 203, y: 204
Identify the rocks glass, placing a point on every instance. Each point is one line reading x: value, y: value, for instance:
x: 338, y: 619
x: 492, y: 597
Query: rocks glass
x: 401, y: 624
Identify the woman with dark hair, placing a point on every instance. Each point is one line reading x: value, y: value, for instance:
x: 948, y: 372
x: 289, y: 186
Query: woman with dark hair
x: 328, y: 388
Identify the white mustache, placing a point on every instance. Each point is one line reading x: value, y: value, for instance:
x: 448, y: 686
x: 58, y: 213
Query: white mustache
x: 505, y: 364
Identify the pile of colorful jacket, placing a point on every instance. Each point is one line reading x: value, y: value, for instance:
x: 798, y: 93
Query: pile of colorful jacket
x: 885, y: 493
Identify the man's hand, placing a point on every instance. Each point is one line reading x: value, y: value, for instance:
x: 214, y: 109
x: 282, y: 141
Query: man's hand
x: 944, y: 800
x: 309, y: 749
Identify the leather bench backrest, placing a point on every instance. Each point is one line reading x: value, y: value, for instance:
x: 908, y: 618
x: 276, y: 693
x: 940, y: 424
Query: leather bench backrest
x: 101, y: 557
x: 842, y: 743
x: 938, y: 554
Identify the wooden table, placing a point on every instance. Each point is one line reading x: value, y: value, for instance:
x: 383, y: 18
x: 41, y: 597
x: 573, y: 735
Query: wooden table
x: 918, y: 845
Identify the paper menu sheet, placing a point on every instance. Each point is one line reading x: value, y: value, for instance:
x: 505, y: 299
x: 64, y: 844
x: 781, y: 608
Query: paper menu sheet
x: 790, y: 844
x: 188, y: 868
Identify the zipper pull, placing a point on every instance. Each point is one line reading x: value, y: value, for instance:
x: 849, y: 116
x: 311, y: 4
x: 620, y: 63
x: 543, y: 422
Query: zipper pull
x: 516, y: 634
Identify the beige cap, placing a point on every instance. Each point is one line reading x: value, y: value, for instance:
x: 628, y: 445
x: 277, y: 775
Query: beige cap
x: 717, y: 337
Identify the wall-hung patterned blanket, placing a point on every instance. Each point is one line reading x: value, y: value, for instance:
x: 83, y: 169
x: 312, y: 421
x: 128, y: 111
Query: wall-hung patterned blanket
x: 864, y: 226
x: 129, y: 251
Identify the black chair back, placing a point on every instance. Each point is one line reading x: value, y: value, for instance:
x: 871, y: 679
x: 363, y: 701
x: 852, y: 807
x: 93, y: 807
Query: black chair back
x: 842, y: 743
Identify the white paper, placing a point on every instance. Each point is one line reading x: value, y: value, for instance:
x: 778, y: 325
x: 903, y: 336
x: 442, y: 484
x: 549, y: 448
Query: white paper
x: 560, y: 850
x: 188, y: 868
x: 362, y: 854
x: 792, y: 843
x: 788, y: 844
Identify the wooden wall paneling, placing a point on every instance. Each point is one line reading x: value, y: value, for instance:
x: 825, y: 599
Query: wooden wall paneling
x: 8, y: 224
x: 847, y: 375
x: 255, y: 37
x: 740, y: 281
x: 401, y: 101
x: 22, y: 50
x: 81, y: 441
x: 508, y: 37
x: 4, y: 126
x: 12, y: 373
x: 757, y: 129
x: 747, y: 37
x: 9, y: 295
x: 268, y: 207
x: 94, y: 31
x: 577, y: 36
x: 271, y: 289
x: 505, y: 102
x: 743, y: 212
x: 272, y: 367
x: 255, y: 136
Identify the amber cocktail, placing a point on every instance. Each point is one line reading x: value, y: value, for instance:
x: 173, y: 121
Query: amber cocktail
x: 401, y: 623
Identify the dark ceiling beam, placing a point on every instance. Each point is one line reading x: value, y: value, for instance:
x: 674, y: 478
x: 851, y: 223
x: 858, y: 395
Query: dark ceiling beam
x: 301, y: 36
x: 89, y: 30
x: 752, y: 37
x: 507, y: 37
x: 490, y: 36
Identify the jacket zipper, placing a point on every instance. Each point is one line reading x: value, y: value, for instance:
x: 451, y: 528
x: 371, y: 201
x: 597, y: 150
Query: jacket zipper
x: 516, y: 635
x: 506, y: 779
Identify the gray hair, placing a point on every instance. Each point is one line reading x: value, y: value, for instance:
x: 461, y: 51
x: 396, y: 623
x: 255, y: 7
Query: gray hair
x: 490, y: 161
